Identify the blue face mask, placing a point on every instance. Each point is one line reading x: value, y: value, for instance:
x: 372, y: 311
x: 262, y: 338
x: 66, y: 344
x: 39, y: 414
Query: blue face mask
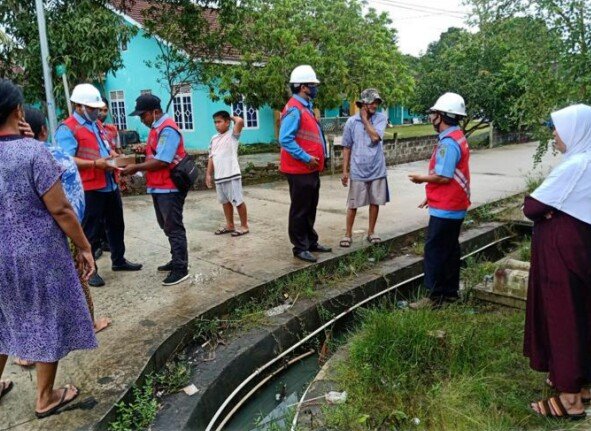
x: 90, y: 116
x: 313, y: 92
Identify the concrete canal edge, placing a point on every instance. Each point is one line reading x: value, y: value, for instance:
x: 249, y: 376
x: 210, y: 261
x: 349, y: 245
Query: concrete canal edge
x: 244, y: 354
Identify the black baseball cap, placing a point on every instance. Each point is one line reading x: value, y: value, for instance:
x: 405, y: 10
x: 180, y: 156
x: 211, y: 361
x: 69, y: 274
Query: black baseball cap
x: 145, y: 103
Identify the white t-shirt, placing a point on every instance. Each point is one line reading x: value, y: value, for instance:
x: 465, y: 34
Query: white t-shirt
x: 223, y: 149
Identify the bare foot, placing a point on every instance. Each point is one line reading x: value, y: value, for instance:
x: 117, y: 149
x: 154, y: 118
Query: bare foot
x: 71, y: 392
x: 101, y: 323
x: 23, y: 363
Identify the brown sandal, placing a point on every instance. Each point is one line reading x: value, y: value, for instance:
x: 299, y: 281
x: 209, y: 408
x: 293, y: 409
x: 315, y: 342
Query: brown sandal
x: 554, y: 409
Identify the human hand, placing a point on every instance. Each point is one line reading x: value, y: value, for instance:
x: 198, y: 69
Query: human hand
x: 104, y: 164
x: 416, y: 178
x: 129, y: 170
x: 236, y: 119
x: 548, y: 215
x: 85, y: 263
x: 313, y: 163
x: 139, y: 148
x: 208, y: 181
x: 345, y: 179
x: 423, y: 204
x: 364, y: 113
x: 25, y: 129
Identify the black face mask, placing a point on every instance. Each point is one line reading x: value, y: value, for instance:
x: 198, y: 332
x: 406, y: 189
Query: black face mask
x: 436, y: 124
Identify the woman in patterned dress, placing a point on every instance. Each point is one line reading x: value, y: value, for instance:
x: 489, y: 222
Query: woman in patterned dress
x: 43, y: 312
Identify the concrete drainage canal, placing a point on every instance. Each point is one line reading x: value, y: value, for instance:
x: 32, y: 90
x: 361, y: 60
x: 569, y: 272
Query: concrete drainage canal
x: 248, y: 367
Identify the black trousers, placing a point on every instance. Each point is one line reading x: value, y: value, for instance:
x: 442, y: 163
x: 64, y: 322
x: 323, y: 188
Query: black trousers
x: 169, y: 213
x: 105, y: 208
x: 442, y: 257
x: 304, y: 190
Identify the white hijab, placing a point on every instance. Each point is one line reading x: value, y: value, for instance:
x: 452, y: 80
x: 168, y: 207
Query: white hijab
x: 568, y: 187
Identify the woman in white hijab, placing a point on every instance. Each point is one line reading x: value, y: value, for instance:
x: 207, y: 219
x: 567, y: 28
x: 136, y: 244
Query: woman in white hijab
x: 558, y: 315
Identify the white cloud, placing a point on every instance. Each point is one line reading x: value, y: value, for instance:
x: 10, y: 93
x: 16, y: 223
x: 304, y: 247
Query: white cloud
x: 420, y: 22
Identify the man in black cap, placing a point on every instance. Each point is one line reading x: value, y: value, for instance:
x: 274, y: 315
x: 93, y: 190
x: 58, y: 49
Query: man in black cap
x: 164, y: 150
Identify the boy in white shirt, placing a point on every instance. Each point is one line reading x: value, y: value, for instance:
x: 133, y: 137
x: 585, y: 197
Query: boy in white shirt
x: 223, y: 160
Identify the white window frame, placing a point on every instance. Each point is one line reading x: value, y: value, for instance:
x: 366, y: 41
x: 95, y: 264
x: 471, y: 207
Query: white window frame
x: 185, y: 98
x: 245, y: 108
x: 117, y: 104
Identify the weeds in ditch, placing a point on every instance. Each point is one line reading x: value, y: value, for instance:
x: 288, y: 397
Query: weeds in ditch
x: 140, y: 412
x: 457, y: 369
x: 474, y: 272
x: 533, y: 181
x: 174, y: 376
x: 523, y: 251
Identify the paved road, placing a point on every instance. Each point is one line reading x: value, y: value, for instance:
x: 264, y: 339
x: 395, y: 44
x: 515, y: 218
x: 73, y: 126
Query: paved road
x: 145, y: 313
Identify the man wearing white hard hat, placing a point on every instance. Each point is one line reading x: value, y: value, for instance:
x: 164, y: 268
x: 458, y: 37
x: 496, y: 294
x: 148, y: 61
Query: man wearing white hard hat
x: 303, y: 150
x: 448, y: 199
x: 81, y: 136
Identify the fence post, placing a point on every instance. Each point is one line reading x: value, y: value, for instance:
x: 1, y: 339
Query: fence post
x: 491, y: 135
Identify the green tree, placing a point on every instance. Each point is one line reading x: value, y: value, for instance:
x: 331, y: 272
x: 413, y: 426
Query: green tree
x: 570, y: 20
x: 349, y: 50
x: 82, y: 34
x: 190, y: 39
x: 506, y: 72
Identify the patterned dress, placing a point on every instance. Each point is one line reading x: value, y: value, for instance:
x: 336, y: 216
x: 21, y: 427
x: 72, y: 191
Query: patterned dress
x: 43, y: 312
x: 71, y: 181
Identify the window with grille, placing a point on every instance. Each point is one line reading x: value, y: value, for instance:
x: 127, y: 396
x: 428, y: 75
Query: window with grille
x: 118, y: 109
x: 142, y: 92
x: 249, y: 114
x: 182, y: 107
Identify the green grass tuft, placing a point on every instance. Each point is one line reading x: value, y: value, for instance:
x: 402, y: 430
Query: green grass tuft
x: 472, y: 378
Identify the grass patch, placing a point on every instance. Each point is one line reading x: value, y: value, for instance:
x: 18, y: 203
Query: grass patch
x: 523, y: 251
x: 474, y: 272
x: 140, y: 412
x: 174, y: 376
x: 420, y: 130
x: 533, y: 180
x: 474, y: 377
x: 259, y: 148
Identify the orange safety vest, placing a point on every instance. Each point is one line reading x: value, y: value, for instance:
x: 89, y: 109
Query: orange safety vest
x: 455, y: 195
x: 308, y: 137
x: 160, y: 179
x: 88, y: 149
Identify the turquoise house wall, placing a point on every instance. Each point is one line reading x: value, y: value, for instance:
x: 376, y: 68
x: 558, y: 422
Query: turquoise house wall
x: 136, y: 76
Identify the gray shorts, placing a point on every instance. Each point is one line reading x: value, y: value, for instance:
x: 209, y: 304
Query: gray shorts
x: 363, y: 193
x: 230, y: 191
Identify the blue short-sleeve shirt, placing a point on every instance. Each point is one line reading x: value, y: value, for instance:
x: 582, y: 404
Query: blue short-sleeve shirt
x: 446, y: 159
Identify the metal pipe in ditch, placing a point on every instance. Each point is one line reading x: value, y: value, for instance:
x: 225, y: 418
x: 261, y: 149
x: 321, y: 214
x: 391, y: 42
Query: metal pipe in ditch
x: 258, y: 386
x: 323, y: 327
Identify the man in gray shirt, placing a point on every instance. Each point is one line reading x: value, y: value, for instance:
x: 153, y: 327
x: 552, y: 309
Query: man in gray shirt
x: 364, y: 163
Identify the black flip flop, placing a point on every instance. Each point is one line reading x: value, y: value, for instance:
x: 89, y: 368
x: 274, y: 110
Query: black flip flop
x: 6, y: 388
x: 239, y: 232
x: 223, y: 231
x: 63, y: 402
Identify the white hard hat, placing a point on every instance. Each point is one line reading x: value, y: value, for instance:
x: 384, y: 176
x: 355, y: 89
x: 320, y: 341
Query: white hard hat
x: 450, y: 103
x: 303, y: 74
x: 87, y: 95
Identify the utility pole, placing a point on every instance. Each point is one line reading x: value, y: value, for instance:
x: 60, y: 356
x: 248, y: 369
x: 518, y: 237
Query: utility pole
x: 46, y: 69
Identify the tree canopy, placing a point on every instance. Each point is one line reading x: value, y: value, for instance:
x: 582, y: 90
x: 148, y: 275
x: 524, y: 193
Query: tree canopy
x: 507, y: 72
x: 349, y: 49
x: 82, y: 34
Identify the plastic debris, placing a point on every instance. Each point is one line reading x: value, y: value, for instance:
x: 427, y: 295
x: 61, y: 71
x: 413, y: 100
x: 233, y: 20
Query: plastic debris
x: 334, y: 397
x: 416, y: 421
x: 191, y: 389
x: 439, y: 333
x: 280, y: 309
x: 402, y: 305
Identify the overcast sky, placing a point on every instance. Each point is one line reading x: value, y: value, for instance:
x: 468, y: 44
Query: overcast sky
x: 420, y: 22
